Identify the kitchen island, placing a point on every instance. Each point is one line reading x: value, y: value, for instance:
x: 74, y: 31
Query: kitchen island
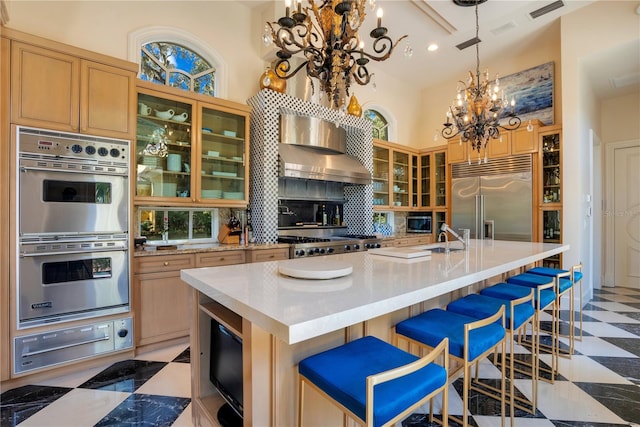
x: 282, y: 320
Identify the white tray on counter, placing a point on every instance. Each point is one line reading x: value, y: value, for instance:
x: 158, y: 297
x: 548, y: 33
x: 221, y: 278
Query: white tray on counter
x: 407, y: 252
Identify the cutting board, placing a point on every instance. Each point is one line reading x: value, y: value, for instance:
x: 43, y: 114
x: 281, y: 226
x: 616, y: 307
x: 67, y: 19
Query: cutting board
x: 316, y: 268
x: 408, y: 252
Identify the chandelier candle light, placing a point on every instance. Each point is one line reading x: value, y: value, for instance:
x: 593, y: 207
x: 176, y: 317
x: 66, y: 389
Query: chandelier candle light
x: 476, y: 111
x: 327, y: 36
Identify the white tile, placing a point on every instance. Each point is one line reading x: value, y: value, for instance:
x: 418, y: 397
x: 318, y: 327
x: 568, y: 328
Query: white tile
x: 166, y: 354
x: 79, y: 407
x: 73, y: 379
x: 565, y: 401
x: 610, y: 316
x: 594, y: 346
x: 585, y: 369
x: 599, y: 329
x: 172, y: 380
x: 614, y: 306
x: 486, y: 421
x: 184, y: 420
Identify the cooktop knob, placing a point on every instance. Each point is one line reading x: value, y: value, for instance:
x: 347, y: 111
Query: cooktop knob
x: 102, y: 151
x: 123, y: 333
x: 322, y: 250
x: 330, y: 250
x: 90, y: 150
x: 76, y: 148
x: 356, y: 247
x: 347, y: 247
x: 310, y: 252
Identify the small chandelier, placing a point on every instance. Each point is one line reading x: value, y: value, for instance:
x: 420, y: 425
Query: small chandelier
x: 476, y: 111
x: 327, y: 35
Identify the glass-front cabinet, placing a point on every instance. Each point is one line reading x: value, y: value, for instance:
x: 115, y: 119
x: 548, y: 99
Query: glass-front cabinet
x: 551, y: 223
x: 425, y: 180
x: 380, y: 176
x: 551, y: 153
x: 163, y: 147
x: 401, y: 176
x: 440, y: 168
x: 222, y: 155
x: 189, y: 151
x: 415, y: 179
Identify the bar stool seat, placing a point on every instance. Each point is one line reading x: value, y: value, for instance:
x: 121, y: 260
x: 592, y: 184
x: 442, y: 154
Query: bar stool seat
x: 470, y: 340
x: 512, y: 291
x: 375, y: 381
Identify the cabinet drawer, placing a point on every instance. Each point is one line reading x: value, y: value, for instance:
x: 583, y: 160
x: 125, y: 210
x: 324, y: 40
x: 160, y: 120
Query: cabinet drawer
x: 153, y: 264
x: 268, y: 255
x: 215, y: 259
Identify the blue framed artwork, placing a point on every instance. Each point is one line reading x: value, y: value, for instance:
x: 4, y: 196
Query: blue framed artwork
x: 533, y: 90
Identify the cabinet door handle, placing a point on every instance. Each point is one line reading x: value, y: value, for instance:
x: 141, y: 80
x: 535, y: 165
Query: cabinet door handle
x: 221, y: 258
x: 166, y: 263
x: 272, y: 256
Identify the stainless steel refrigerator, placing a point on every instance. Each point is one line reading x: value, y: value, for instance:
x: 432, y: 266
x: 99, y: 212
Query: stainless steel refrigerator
x: 493, y: 199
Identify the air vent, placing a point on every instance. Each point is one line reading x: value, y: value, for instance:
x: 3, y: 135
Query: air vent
x: 468, y: 3
x: 546, y: 9
x: 499, y: 166
x: 468, y: 43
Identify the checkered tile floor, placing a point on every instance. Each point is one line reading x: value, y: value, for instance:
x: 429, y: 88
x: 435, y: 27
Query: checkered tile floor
x: 599, y: 386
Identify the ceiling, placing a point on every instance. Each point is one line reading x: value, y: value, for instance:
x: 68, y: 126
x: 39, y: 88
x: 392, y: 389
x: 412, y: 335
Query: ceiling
x: 505, y: 26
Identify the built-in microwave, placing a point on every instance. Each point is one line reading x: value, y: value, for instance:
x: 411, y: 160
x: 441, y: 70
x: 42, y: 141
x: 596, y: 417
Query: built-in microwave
x: 419, y: 224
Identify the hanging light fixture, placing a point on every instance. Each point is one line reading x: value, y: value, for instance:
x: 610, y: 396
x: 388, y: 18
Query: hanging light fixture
x: 327, y: 36
x: 475, y: 113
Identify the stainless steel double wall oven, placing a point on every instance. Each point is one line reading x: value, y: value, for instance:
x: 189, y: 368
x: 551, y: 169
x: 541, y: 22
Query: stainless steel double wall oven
x: 73, y: 234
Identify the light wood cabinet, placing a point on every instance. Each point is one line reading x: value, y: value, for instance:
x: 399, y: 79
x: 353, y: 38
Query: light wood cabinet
x: 394, y: 185
x: 190, y: 148
x: 524, y: 140
x: 433, y: 178
x: 456, y: 151
x: 55, y: 90
x: 5, y: 211
x: 162, y: 299
x: 268, y: 255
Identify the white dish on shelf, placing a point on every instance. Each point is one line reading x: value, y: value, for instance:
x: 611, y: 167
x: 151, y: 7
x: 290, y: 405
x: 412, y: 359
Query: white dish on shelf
x: 236, y: 158
x: 213, y: 153
x: 229, y: 133
x: 235, y: 195
x: 217, y: 173
x: 212, y: 194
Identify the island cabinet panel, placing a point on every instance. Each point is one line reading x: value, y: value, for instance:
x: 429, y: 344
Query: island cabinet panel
x: 55, y: 90
x: 162, y: 299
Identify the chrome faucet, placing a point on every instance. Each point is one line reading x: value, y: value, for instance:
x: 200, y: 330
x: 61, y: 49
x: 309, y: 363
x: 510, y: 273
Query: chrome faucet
x: 445, y: 228
x: 446, y: 239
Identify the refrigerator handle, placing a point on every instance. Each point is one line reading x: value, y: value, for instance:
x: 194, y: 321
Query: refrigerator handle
x: 480, y: 216
x: 477, y: 218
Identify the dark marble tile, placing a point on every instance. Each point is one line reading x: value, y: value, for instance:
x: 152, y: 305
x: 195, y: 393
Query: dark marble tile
x: 141, y: 410
x: 126, y: 376
x: 600, y: 298
x: 422, y: 420
x: 633, y: 328
x: 621, y: 399
x: 481, y: 404
x: 633, y: 315
x: 585, y: 424
x: 20, y: 403
x: 628, y: 344
x: 565, y: 316
x: 184, y: 357
x: 627, y: 367
x: 591, y: 307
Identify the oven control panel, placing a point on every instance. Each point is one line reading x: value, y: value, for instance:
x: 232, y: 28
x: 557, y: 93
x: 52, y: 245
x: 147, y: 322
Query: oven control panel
x: 72, y: 146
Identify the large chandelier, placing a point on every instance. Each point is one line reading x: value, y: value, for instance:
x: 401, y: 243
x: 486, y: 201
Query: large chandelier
x: 475, y: 113
x: 327, y: 35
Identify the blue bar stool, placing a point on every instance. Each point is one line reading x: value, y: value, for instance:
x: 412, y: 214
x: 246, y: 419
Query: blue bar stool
x: 563, y: 286
x: 470, y: 340
x: 545, y: 298
x: 518, y: 314
x: 576, y: 279
x: 534, y: 281
x: 374, y: 382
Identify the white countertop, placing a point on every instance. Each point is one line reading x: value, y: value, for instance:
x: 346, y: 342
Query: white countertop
x: 295, y: 310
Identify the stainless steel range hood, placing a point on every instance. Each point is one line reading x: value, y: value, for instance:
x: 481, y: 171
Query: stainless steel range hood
x: 311, y: 148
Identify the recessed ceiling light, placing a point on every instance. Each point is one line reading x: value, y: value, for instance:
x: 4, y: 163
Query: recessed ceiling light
x: 432, y: 47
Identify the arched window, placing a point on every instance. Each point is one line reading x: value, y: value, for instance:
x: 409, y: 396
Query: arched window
x: 177, y: 66
x: 174, y: 57
x: 380, y: 124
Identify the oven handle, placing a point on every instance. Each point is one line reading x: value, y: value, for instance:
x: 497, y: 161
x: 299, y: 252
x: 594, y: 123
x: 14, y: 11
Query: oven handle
x: 62, y: 347
x: 27, y: 255
x: 97, y: 171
